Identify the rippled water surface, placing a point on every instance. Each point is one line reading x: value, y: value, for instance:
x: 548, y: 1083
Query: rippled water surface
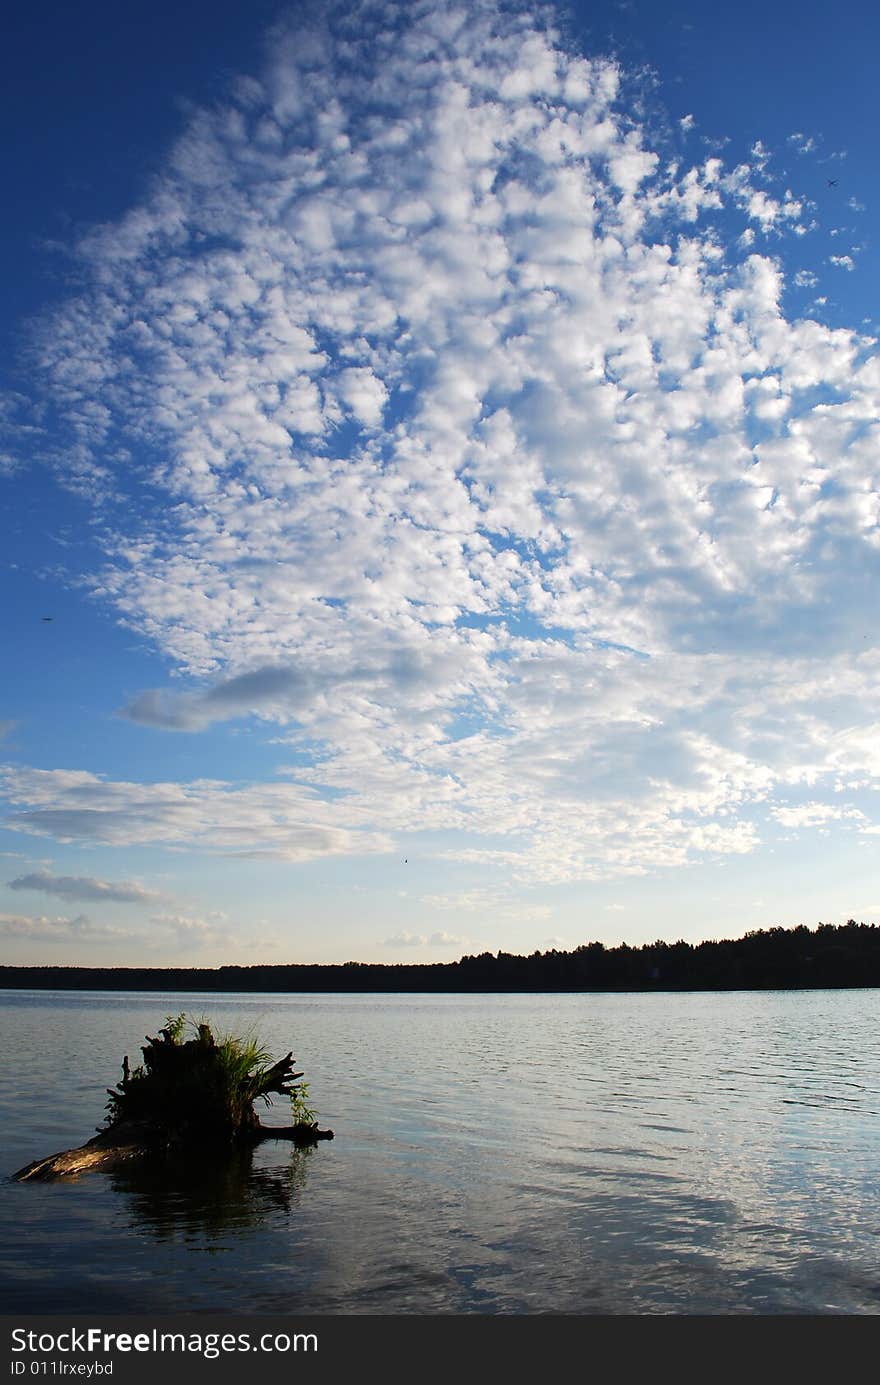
x: 494, y: 1154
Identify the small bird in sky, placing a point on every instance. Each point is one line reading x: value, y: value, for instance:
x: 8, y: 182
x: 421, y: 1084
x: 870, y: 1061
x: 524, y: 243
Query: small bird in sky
x: 48, y: 618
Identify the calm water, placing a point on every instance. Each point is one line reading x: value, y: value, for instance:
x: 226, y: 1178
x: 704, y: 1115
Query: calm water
x: 493, y: 1154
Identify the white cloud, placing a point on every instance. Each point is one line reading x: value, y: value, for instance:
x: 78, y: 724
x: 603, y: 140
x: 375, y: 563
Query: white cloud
x: 188, y: 931
x: 804, y: 144
x: 769, y: 210
x: 444, y: 939
x: 815, y: 815
x: 80, y: 887
x: 496, y: 480
x: 25, y: 928
x: 363, y: 393
x: 288, y: 821
x: 842, y: 261
x: 184, y: 935
x: 497, y: 904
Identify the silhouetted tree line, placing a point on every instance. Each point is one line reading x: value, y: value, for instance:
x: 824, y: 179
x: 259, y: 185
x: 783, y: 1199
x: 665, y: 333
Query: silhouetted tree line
x: 830, y: 955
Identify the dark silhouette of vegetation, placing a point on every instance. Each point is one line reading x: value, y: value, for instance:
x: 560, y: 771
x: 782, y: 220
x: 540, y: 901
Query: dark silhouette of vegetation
x: 189, y: 1097
x: 201, y: 1088
x: 829, y: 955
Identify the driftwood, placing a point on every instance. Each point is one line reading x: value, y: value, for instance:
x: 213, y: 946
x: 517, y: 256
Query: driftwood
x: 173, y: 1104
x: 122, y: 1145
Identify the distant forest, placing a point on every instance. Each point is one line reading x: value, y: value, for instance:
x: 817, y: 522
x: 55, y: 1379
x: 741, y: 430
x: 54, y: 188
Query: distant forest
x: 829, y: 955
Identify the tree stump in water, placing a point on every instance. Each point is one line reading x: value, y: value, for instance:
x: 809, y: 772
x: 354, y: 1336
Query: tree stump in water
x: 196, y: 1097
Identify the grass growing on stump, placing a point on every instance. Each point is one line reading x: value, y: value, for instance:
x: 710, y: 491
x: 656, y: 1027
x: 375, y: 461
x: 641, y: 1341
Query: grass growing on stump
x: 204, y: 1087
x: 189, y: 1096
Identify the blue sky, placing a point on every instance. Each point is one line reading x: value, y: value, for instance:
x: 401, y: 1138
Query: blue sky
x: 444, y: 440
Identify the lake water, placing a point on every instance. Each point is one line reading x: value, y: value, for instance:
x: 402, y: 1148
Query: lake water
x: 497, y: 1154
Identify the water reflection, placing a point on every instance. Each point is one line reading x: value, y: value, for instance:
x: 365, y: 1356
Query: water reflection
x: 660, y: 1154
x: 180, y: 1198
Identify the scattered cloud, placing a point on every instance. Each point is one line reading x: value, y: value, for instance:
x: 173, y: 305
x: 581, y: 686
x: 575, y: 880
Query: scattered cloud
x: 166, y: 934
x: 287, y: 821
x: 188, y: 930
x: 816, y: 815
x: 803, y: 144
x: 438, y: 939
x: 488, y: 903
x: 86, y: 888
x: 63, y: 930
x: 761, y: 154
x: 495, y: 476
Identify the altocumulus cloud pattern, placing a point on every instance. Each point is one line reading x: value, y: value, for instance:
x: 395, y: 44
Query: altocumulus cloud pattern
x: 485, y: 467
